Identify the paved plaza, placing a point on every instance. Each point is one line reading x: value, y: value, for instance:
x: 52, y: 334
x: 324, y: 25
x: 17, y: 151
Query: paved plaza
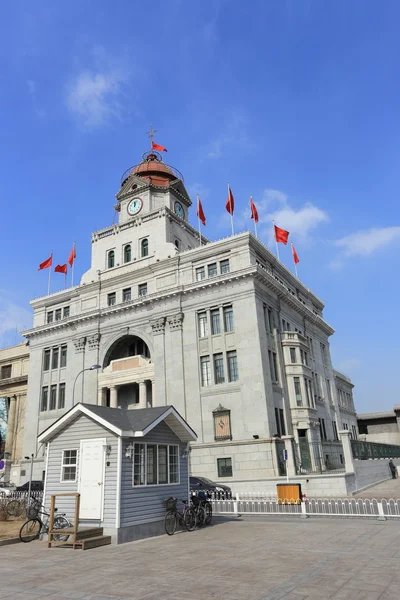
x: 387, y: 489
x: 254, y: 558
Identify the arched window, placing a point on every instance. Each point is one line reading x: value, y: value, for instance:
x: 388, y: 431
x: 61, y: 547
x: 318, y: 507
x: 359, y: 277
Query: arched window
x: 111, y: 259
x: 144, y: 248
x: 127, y: 253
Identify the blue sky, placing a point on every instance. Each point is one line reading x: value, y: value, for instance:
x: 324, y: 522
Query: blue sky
x: 293, y: 101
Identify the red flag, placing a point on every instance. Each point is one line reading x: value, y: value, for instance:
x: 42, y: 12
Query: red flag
x: 295, y: 257
x: 281, y: 235
x: 254, y: 213
x: 72, y: 256
x: 200, y: 212
x: 230, y: 203
x: 46, y: 264
x: 158, y: 147
x: 61, y: 269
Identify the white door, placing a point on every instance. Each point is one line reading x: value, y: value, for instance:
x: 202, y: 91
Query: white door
x: 91, y: 478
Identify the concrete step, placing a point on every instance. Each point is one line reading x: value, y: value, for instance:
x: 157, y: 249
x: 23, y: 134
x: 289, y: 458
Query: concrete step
x: 95, y: 542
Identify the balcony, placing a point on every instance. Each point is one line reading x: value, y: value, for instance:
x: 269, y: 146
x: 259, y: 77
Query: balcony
x: 290, y: 337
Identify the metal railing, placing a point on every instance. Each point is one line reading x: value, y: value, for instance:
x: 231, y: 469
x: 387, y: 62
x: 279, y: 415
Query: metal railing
x: 367, y: 450
x: 257, y: 504
x: 319, y: 457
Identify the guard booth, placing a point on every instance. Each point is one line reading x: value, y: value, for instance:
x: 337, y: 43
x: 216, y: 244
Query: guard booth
x: 288, y: 493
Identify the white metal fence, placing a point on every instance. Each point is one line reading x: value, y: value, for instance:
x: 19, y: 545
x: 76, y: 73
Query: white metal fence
x: 255, y: 504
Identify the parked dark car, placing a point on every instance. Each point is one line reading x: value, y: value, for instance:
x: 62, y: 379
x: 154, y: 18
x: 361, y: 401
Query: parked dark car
x: 37, y: 486
x: 198, y: 484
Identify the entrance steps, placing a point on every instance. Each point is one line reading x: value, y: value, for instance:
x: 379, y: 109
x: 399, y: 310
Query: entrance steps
x: 86, y: 538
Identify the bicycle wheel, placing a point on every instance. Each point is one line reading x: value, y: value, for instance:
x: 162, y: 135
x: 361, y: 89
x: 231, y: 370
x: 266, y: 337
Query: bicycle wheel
x: 14, y: 508
x: 30, y: 530
x: 61, y: 523
x: 190, y: 519
x: 201, y: 516
x: 208, y: 509
x: 170, y: 522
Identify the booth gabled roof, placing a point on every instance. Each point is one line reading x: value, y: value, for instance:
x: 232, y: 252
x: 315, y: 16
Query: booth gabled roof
x: 124, y: 423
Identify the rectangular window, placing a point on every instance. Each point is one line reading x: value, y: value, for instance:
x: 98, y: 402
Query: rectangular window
x: 46, y: 359
x: 142, y: 289
x: 307, y: 392
x: 139, y: 464
x: 54, y: 358
x: 293, y: 355
x: 151, y: 468
x: 282, y: 420
x: 200, y: 274
x: 205, y: 371
x: 6, y: 371
x: 63, y: 359
x: 297, y: 391
x: 44, y: 399
x: 203, y: 325
x: 277, y: 422
x: 68, y: 465
x: 228, y: 318
x: 323, y: 352
x: 271, y: 366
x: 271, y: 321
x: 233, y: 371
x: 335, y: 431
x: 215, y: 322
x: 219, y: 368
x: 328, y: 389
x: 50, y: 316
x: 310, y: 345
x: 224, y: 467
x: 126, y: 295
x: 162, y: 464
x: 275, y: 362
x: 65, y: 312
x: 212, y: 270
x: 53, y: 397
x: 354, y: 430
x: 323, y: 429
x: 173, y: 464
x: 224, y: 266
x: 61, y: 395
x: 111, y: 299
x: 58, y: 314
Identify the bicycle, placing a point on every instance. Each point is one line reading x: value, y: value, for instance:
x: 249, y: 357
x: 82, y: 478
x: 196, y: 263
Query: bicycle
x: 203, y: 509
x: 33, y: 528
x: 186, y: 518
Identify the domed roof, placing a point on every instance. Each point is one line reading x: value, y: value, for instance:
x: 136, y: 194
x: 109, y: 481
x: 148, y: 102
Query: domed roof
x: 154, y: 170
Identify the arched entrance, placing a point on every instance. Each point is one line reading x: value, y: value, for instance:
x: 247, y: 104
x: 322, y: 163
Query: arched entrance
x: 127, y: 380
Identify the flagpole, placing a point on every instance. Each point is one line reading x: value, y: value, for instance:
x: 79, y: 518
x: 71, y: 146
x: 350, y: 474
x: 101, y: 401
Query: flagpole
x: 276, y: 243
x: 73, y: 265
x: 50, y: 270
x: 295, y: 265
x: 233, y: 231
x: 198, y: 219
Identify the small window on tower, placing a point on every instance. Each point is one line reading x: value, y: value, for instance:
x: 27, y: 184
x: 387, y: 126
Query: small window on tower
x: 177, y: 244
x: 144, y: 248
x: 111, y: 259
x: 127, y: 253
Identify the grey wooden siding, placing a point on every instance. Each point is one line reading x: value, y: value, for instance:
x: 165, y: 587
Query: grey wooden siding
x: 83, y: 428
x: 141, y: 504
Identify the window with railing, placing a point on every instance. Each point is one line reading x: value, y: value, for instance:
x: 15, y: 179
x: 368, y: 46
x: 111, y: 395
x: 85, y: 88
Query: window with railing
x: 224, y: 466
x: 219, y: 368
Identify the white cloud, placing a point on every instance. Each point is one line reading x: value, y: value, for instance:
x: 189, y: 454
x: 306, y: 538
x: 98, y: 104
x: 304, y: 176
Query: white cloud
x: 365, y: 243
x: 232, y: 134
x: 349, y: 365
x: 275, y: 206
x: 12, y: 318
x: 94, y: 96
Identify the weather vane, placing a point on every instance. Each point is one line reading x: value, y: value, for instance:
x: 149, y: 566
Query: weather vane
x: 151, y: 133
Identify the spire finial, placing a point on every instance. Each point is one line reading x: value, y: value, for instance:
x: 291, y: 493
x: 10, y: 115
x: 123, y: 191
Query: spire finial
x: 151, y: 133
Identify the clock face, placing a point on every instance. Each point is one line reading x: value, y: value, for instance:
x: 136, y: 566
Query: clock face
x: 135, y: 206
x: 179, y: 210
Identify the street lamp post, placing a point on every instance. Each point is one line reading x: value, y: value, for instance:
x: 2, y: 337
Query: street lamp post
x: 31, y: 457
x: 92, y: 368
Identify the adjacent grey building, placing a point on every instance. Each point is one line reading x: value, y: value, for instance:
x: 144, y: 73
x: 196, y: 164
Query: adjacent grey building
x: 220, y: 330
x: 382, y: 427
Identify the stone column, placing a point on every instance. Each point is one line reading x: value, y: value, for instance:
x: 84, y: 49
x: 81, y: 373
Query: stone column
x: 101, y: 396
x: 344, y: 436
x: 153, y: 391
x: 290, y: 463
x: 114, y: 396
x: 142, y: 395
x: 11, y: 426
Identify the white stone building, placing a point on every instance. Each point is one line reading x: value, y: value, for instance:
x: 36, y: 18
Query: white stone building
x: 222, y: 331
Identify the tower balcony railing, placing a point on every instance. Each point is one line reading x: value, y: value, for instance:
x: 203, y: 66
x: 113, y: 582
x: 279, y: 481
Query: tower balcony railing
x: 294, y: 336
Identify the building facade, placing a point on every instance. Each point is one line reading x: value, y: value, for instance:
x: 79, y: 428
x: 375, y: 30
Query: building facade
x: 14, y: 363
x: 382, y: 427
x: 220, y: 330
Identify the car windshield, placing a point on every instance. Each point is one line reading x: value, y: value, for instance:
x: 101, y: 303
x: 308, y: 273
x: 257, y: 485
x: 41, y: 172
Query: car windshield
x: 205, y: 480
